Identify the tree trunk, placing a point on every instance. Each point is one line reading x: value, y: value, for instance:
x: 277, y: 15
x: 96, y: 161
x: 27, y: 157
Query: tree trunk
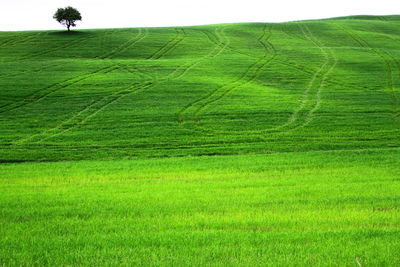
x: 68, y: 27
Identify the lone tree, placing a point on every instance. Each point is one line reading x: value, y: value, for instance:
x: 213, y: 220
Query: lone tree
x: 67, y: 16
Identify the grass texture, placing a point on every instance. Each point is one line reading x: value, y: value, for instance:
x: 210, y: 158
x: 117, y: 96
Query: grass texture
x: 249, y: 144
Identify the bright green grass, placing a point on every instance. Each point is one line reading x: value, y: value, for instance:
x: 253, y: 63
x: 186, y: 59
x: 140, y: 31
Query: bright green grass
x: 235, y: 144
x: 287, y: 209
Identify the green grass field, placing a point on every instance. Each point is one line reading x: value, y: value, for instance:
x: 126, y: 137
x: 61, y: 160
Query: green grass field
x: 246, y: 144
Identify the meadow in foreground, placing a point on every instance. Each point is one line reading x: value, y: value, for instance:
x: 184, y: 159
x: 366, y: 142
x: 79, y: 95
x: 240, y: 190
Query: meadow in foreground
x: 337, y: 208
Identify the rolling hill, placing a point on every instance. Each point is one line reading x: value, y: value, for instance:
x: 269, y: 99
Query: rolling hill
x: 209, y: 90
x: 233, y: 144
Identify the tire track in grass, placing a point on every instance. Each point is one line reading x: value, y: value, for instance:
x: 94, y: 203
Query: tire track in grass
x: 60, y: 47
x: 393, y: 96
x: 311, y: 99
x: 215, y: 41
x: 191, y: 111
x: 181, y: 70
x: 310, y: 71
x: 61, y: 64
x: 34, y: 55
x: 180, y: 35
x: 99, y: 105
x: 387, y: 62
x: 20, y: 40
x: 46, y: 91
x: 286, y: 63
x: 85, y: 114
x: 108, y: 32
x: 13, y: 40
x: 140, y: 36
x: 216, y: 51
x: 292, y: 34
x: 307, y: 106
x: 96, y: 107
x: 134, y: 70
x: 330, y: 61
x: 7, y: 39
x: 330, y: 80
x: 395, y: 99
x: 32, y: 70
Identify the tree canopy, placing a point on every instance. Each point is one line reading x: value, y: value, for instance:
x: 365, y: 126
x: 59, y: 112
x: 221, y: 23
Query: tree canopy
x: 67, y: 16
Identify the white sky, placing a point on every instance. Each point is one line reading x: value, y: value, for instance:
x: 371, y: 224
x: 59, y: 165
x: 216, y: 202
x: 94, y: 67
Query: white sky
x: 37, y: 14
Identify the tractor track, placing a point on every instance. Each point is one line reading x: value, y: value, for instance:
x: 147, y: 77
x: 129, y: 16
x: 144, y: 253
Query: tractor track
x: 295, y: 121
x: 248, y: 76
x: 46, y: 91
x: 97, y: 106
x: 140, y: 36
x: 386, y: 59
x: 21, y: 40
x: 180, y: 35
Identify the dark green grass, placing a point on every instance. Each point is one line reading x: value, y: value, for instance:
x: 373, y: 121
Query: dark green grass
x: 221, y: 89
x: 225, y: 145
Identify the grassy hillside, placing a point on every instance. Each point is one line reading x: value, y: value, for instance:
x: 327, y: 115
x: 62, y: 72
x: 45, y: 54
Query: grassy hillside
x: 238, y: 144
x: 220, y: 89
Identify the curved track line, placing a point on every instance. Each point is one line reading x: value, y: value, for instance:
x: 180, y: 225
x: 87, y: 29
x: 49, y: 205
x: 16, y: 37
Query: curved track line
x: 140, y: 36
x: 218, y: 49
x: 393, y: 96
x: 135, y: 71
x: 180, y: 35
x: 383, y: 55
x: 41, y: 68
x: 248, y: 76
x: 315, y: 85
x: 63, y: 46
x: 97, y: 106
x: 32, y: 70
x: 85, y: 114
x: 39, y: 94
x: 215, y: 41
x: 20, y: 40
x: 94, y: 108
x: 330, y: 65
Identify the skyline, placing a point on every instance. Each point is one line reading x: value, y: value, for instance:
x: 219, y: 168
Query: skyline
x: 38, y: 15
